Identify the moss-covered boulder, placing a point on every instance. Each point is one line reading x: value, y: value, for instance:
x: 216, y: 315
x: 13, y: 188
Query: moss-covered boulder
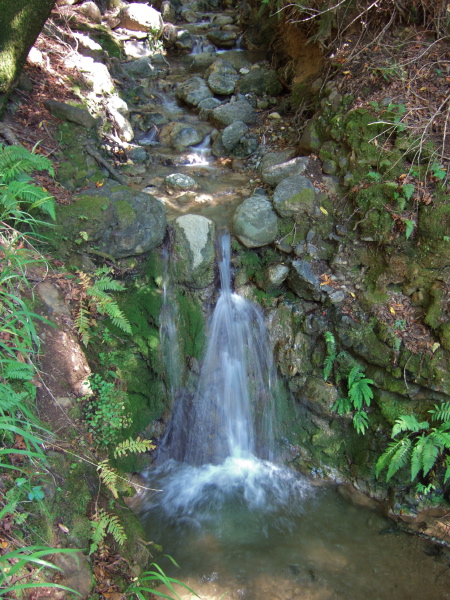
x: 114, y: 220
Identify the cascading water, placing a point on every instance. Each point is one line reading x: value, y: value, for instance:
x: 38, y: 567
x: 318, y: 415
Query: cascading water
x: 244, y: 527
x: 231, y: 413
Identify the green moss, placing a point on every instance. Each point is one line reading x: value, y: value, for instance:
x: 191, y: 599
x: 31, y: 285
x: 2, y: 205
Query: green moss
x: 125, y: 212
x: 434, y: 222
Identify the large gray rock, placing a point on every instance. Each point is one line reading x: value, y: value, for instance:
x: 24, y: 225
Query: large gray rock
x: 304, y: 282
x: 255, y: 223
x: 226, y: 114
x: 67, y: 112
x: 141, y: 17
x: 193, y: 91
x: 222, y: 39
x: 193, y: 250
x: 232, y: 135
x: 260, y: 81
x: 184, y: 41
x: 294, y: 195
x: 141, y: 68
x: 180, y: 135
x: 275, y: 174
x: 115, y: 219
x: 222, y: 84
x: 180, y: 181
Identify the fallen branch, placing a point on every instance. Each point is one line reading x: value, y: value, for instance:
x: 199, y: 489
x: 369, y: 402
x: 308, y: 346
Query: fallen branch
x: 7, y: 133
x: 104, y: 163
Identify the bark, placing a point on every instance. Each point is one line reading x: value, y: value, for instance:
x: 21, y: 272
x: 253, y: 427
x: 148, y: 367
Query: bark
x: 21, y: 22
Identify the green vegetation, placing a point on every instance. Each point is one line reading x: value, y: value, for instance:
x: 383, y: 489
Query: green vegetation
x: 146, y: 582
x: 20, y: 200
x: 359, y: 392
x: 105, y: 412
x: 423, y: 447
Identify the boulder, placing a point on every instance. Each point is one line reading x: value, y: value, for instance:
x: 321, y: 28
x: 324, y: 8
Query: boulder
x: 255, y: 223
x: 193, y: 250
x: 141, y: 17
x: 232, y: 135
x: 115, y: 219
x: 179, y: 181
x: 222, y: 39
x: 180, y: 135
x: 184, y: 41
x: 91, y: 11
x: 193, y: 91
x: 294, y: 195
x: 67, y: 112
x: 141, y: 68
x: 304, y: 282
x: 260, y: 81
x: 275, y: 174
x: 226, y: 114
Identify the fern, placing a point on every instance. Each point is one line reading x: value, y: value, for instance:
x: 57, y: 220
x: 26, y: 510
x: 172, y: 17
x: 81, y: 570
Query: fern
x: 82, y: 323
x: 109, y: 476
x: 331, y: 354
x: 359, y: 390
x: 134, y: 446
x: 102, y: 524
x: 441, y: 413
x: 15, y: 160
x: 408, y: 423
x: 361, y: 421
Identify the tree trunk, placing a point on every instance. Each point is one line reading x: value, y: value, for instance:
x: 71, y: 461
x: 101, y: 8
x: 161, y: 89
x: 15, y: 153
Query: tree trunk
x: 21, y: 22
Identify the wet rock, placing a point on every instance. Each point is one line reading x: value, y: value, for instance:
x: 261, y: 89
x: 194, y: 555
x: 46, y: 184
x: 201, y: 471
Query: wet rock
x: 294, y: 195
x: 188, y: 15
x: 222, y: 84
x: 207, y: 106
x: 169, y: 35
x: 179, y: 181
x: 193, y: 91
x: 255, y: 223
x: 180, y: 135
x: 67, y: 112
x: 320, y: 397
x: 260, y: 81
x: 222, y: 39
x: 226, y: 114
x: 168, y: 12
x: 201, y: 62
x: 138, y: 154
x: 141, y: 68
x: 184, y: 41
x: 194, y: 252
x: 232, y: 135
x: 116, y: 219
x: 221, y: 20
x: 273, y: 175
x: 304, y: 282
x: 141, y: 17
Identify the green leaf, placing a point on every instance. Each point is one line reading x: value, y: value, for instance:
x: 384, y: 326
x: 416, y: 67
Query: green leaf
x: 408, y: 423
x: 408, y: 190
x: 399, y: 458
x: 409, y: 227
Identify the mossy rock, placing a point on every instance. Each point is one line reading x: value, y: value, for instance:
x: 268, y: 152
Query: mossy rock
x: 434, y: 223
x: 374, y: 221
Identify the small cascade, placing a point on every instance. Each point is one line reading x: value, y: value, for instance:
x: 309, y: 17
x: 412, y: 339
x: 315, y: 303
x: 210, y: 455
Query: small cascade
x: 231, y: 412
x: 200, y: 154
x: 169, y: 334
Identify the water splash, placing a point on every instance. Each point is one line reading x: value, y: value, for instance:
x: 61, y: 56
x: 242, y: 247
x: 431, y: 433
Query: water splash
x: 200, y: 154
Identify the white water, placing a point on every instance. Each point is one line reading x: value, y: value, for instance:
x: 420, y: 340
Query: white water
x: 244, y: 528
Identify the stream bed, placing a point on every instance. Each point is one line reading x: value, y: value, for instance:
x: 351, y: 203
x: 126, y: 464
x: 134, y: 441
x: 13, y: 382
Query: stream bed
x: 247, y: 529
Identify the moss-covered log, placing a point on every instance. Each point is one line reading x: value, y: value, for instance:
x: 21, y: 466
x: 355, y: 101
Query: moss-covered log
x: 20, y: 23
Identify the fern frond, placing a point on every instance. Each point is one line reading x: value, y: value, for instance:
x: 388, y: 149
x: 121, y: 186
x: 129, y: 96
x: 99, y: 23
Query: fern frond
x: 82, y: 323
x: 133, y: 446
x: 441, y: 412
x: 15, y: 160
x: 106, y: 283
x: 15, y: 369
x: 103, y: 523
x: 400, y: 457
x: 361, y: 421
x: 109, y: 476
x: 430, y: 454
x: 408, y: 423
x: 388, y: 456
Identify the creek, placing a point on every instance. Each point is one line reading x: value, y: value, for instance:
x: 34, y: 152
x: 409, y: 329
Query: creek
x: 240, y: 525
x: 244, y: 527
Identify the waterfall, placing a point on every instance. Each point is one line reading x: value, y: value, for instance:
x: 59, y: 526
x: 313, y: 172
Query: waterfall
x: 230, y: 414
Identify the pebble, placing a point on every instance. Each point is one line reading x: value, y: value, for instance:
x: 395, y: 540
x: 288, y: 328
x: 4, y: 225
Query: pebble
x: 274, y: 115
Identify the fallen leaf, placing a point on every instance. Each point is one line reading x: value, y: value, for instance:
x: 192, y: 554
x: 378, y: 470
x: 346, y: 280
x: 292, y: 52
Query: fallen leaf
x: 63, y: 528
x: 323, y: 210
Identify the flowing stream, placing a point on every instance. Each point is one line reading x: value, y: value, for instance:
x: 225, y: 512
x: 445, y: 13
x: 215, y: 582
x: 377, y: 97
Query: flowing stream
x: 244, y: 527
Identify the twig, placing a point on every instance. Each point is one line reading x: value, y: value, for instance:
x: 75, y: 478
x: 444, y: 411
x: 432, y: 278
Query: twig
x: 104, y: 163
